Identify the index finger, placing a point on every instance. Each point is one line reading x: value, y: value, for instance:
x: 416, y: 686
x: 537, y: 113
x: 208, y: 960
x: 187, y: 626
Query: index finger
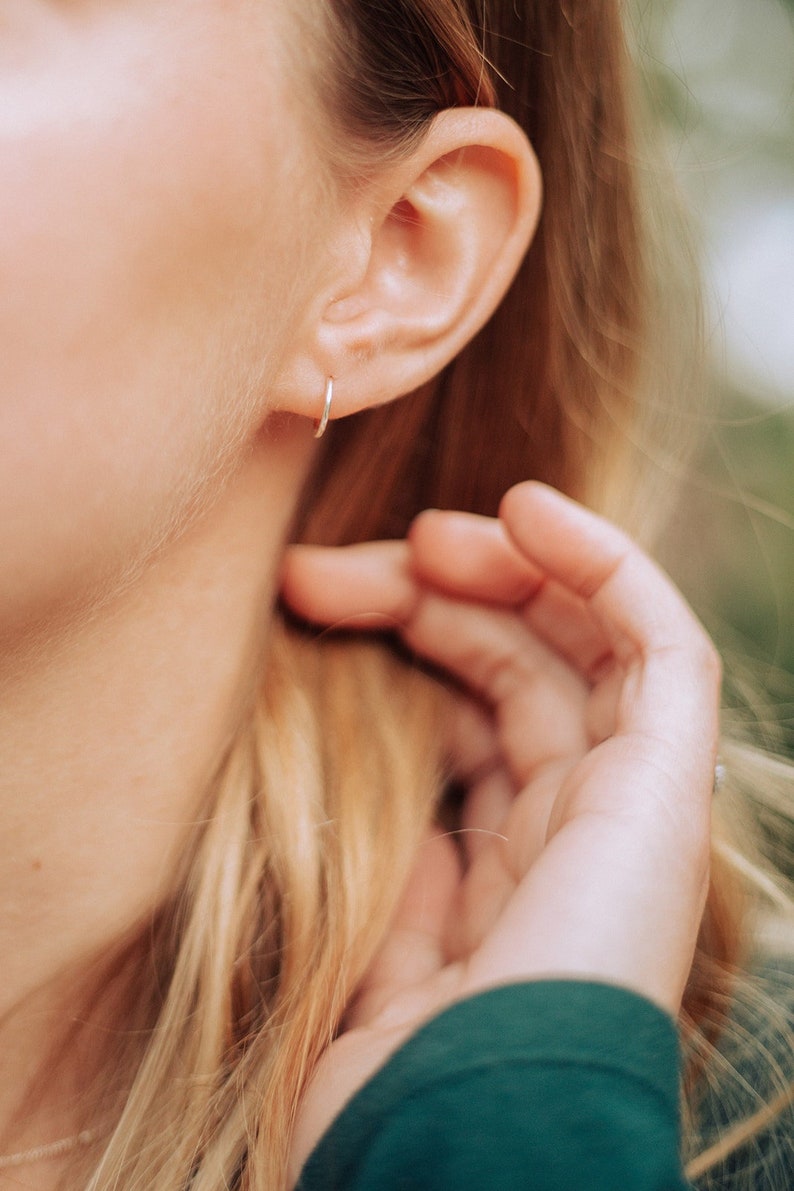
x: 633, y: 599
x: 669, y: 701
x: 365, y: 586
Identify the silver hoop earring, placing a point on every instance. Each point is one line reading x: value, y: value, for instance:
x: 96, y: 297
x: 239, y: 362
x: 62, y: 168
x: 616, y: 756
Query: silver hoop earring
x: 720, y: 776
x: 319, y: 427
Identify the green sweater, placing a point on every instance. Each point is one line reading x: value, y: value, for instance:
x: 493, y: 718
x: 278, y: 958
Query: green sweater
x: 546, y: 1086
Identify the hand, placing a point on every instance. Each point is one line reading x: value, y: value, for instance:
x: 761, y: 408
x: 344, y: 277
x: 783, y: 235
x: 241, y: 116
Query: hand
x: 589, y: 782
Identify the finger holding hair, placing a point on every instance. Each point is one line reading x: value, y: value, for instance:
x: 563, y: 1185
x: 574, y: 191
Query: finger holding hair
x: 628, y: 839
x: 609, y: 867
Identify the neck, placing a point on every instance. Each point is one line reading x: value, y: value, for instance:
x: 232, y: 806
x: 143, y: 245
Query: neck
x: 110, y: 738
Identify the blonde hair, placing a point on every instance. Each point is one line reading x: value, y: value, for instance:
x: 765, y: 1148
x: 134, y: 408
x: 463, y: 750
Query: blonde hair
x: 314, y: 820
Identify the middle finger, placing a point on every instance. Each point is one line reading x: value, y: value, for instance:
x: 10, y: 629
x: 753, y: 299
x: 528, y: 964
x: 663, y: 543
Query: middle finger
x: 538, y: 699
x: 470, y: 556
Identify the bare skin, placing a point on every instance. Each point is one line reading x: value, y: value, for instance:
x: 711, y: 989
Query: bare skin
x: 587, y: 833
x: 182, y: 287
x: 151, y: 240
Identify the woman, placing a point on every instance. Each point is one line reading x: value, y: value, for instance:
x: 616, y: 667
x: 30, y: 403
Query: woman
x: 222, y: 225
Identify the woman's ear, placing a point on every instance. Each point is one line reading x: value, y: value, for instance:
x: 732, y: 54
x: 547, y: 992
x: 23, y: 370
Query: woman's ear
x: 424, y: 256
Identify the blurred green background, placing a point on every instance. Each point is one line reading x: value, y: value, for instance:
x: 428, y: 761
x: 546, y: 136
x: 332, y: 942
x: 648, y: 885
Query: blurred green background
x: 722, y: 74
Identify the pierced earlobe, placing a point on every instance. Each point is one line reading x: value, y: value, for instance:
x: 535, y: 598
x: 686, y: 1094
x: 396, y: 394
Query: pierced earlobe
x: 319, y: 426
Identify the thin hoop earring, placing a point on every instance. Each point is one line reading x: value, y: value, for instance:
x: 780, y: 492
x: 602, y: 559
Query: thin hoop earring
x: 319, y: 427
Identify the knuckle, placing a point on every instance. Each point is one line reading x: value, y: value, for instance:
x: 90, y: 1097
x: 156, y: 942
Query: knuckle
x: 708, y: 660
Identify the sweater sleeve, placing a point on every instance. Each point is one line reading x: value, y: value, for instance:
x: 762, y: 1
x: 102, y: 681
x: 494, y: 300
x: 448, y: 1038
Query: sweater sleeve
x: 552, y: 1085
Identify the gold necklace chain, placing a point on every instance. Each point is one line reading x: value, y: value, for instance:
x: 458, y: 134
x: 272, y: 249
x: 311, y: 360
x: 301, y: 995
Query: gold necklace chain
x: 53, y: 1149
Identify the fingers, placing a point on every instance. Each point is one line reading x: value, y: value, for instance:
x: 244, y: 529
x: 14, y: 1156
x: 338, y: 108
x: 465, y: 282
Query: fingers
x: 477, y: 758
x: 374, y: 585
x: 532, y: 690
x: 365, y: 586
x: 582, y: 586
x: 414, y: 948
x: 636, y: 605
x: 597, y: 864
x: 473, y: 558
x: 466, y: 554
x: 540, y: 700
x: 671, y: 692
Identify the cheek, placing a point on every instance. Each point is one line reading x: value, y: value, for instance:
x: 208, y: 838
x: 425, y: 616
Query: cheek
x: 147, y: 261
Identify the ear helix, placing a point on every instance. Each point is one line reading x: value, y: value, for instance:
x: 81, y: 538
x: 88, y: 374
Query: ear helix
x: 319, y: 426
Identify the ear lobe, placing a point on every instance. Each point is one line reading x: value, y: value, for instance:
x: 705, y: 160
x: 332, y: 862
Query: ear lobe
x: 424, y: 257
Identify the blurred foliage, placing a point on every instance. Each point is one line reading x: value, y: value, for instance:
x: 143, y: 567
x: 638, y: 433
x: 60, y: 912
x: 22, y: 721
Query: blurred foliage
x: 722, y: 74
x: 734, y: 555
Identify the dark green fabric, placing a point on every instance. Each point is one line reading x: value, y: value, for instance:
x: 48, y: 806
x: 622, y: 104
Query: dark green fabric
x: 548, y: 1086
